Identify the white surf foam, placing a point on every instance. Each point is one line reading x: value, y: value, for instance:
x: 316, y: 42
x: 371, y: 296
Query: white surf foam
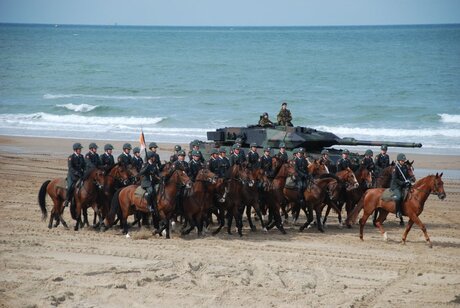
x: 78, y: 108
x: 108, y: 97
x: 449, y: 118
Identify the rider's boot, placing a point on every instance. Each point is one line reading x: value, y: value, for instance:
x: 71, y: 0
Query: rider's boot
x: 398, y: 208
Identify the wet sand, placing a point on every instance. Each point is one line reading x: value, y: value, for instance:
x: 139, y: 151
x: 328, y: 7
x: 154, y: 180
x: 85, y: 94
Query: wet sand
x: 42, y: 267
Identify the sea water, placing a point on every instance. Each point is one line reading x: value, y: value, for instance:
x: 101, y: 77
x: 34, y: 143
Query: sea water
x: 397, y: 83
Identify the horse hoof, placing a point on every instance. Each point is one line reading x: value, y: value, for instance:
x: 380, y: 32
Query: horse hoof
x: 265, y: 230
x: 401, y: 224
x: 253, y: 229
x: 163, y: 232
x: 321, y: 230
x: 348, y: 226
x: 385, y: 237
x: 340, y: 226
x: 301, y: 229
x: 127, y: 235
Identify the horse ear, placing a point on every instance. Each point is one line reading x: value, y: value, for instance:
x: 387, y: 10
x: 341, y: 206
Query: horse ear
x: 441, y: 174
x: 437, y: 175
x: 412, y: 162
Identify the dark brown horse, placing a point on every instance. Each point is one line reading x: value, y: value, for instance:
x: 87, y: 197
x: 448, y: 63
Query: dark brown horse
x: 351, y: 194
x: 412, y: 206
x: 236, y: 177
x: 86, y: 194
x: 199, y: 200
x: 253, y: 193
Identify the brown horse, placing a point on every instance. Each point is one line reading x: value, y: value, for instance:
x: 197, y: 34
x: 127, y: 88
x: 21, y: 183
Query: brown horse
x: 86, y: 194
x: 252, y: 194
x: 351, y: 193
x: 317, y: 168
x: 277, y: 193
x: 200, y: 199
x: 127, y: 202
x: 236, y: 177
x: 384, y: 181
x: 56, y: 189
x: 412, y: 206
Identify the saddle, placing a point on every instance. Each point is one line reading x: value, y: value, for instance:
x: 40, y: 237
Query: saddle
x: 290, y: 183
x: 388, y: 195
x: 139, y: 192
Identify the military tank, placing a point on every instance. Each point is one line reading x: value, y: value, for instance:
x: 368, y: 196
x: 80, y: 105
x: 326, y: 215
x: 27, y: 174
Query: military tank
x: 312, y: 140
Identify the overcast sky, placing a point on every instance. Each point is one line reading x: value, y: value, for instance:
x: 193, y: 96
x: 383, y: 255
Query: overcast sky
x: 231, y: 12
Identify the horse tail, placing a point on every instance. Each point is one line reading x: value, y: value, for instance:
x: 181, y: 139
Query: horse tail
x: 42, y: 199
x: 114, y: 206
x: 351, y: 219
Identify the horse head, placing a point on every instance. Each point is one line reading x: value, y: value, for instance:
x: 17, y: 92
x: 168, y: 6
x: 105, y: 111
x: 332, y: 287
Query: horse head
x: 97, y: 176
x: 182, y: 178
x: 317, y: 168
x: 410, y: 169
x: 364, y: 175
x: 205, y: 175
x: 438, y: 186
x: 120, y: 173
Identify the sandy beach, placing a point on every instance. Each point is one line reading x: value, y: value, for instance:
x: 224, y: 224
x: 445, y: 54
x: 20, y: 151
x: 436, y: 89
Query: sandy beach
x: 44, y: 267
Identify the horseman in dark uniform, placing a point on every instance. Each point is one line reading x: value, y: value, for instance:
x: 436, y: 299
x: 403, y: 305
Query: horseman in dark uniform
x: 125, y: 158
x: 399, y: 180
x: 137, y: 160
x: 242, y: 155
x: 195, y: 147
x: 175, y: 156
x: 107, y: 160
x: 153, y: 148
x: 344, y: 162
x: 300, y: 164
x: 325, y: 159
x: 253, y: 157
x: 282, y: 154
x: 382, y: 160
x: 92, y: 159
x: 266, y: 162
x: 213, y: 162
x: 236, y: 158
x: 150, y: 175
x: 284, y: 117
x: 367, y: 161
x: 195, y: 165
x: 76, y: 165
x: 180, y: 163
x: 224, y: 162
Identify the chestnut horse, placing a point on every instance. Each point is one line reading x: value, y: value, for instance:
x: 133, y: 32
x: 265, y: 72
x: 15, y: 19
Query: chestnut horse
x: 200, y: 199
x: 56, y: 189
x: 412, y: 206
x: 127, y: 202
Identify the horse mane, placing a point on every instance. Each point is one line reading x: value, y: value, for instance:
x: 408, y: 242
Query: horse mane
x: 113, y: 166
x: 329, y: 175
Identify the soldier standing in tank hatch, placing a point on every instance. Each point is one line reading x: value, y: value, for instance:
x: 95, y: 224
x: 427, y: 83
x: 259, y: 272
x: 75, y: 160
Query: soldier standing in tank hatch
x: 344, y: 162
x: 282, y: 154
x: 175, y: 156
x: 153, y: 148
x: 284, y: 117
x: 265, y: 121
x: 224, y: 162
x: 92, y: 159
x: 253, y: 157
x: 137, y: 160
x: 76, y: 165
x: 382, y: 160
x: 107, y: 160
x: 125, y: 158
x: 399, y: 180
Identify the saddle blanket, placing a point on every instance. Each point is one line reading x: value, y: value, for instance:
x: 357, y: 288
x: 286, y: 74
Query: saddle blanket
x: 387, y: 195
x: 140, y: 192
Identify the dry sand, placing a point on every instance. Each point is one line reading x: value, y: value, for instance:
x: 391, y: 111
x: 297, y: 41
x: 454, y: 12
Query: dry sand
x: 42, y: 267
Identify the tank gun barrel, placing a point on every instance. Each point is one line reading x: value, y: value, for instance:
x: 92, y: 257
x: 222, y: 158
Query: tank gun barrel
x: 353, y: 141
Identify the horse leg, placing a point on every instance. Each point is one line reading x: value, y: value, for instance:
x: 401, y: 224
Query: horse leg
x: 50, y: 224
x: 248, y: 215
x: 307, y: 206
x: 327, y: 214
x: 419, y: 223
x: 85, y: 218
x: 362, y: 223
x: 379, y: 224
x: 239, y: 221
x: 318, y: 218
x: 401, y: 221
x: 167, y: 229
x: 278, y: 221
x: 410, y: 223
x: 56, y: 219
x: 259, y: 214
x: 229, y: 222
x: 221, y: 219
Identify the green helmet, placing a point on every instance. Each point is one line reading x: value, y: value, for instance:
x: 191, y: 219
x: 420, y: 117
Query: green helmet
x: 324, y: 152
x: 222, y: 150
x: 239, y: 140
x: 181, y: 153
x: 136, y: 150
x: 236, y: 146
x: 177, y: 148
x: 253, y: 144
x: 214, y: 151
x: 295, y: 151
x: 301, y: 150
x: 108, y: 146
x: 77, y: 146
x: 368, y: 153
x: 93, y: 146
x: 384, y: 147
x: 127, y: 146
x: 267, y: 149
x: 153, y: 145
x: 196, y: 153
x: 345, y: 151
x: 282, y: 145
x: 401, y: 156
x: 195, y: 143
x: 149, y: 154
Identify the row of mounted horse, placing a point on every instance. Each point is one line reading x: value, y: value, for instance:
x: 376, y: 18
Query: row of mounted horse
x: 242, y: 189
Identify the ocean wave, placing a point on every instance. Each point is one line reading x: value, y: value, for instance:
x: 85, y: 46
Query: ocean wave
x: 65, y: 120
x: 108, y: 97
x: 343, y: 131
x: 449, y: 118
x: 79, y: 108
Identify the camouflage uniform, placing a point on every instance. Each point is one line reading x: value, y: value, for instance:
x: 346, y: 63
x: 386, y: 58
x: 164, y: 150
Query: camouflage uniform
x: 284, y: 117
x: 264, y: 121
